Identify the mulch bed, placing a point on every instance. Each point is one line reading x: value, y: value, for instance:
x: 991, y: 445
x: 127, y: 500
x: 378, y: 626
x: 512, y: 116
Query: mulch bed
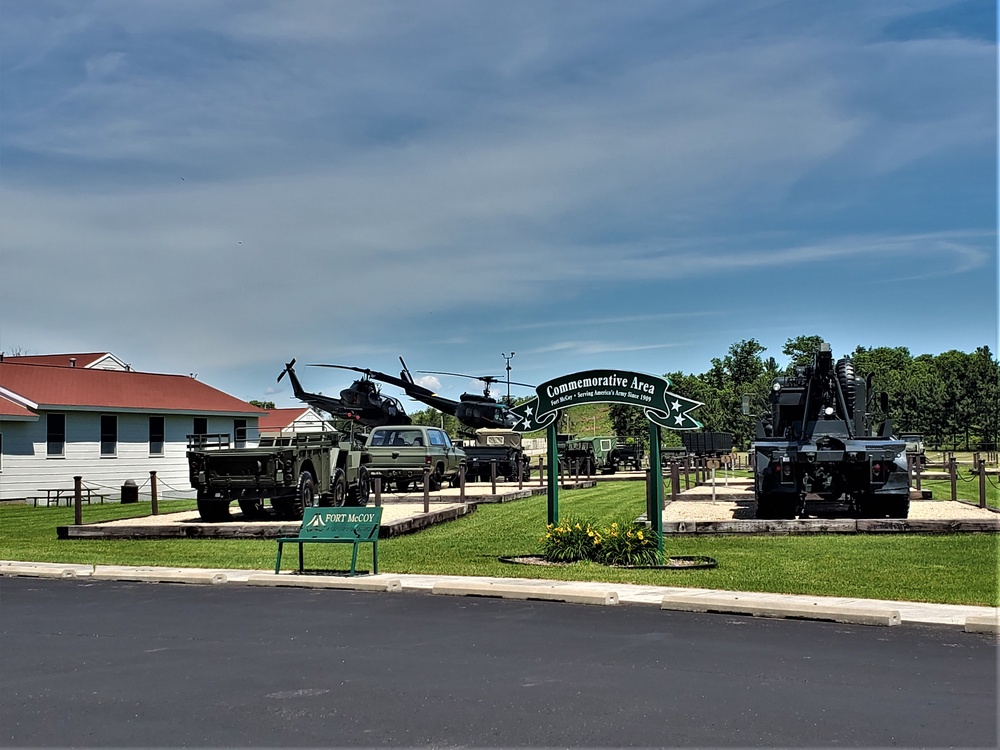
x: 680, y: 562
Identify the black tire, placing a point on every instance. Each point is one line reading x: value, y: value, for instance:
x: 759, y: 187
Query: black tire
x: 774, y: 506
x: 213, y: 510
x: 338, y: 490
x: 253, y: 508
x: 897, y: 506
x: 305, y: 497
x: 434, y: 480
x: 360, y: 495
x: 893, y: 506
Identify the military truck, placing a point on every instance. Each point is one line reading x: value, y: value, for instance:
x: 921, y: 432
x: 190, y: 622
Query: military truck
x: 592, y: 455
x: 401, y: 452
x: 500, y: 445
x: 629, y: 452
x: 707, y: 443
x: 293, y: 472
x: 817, y: 442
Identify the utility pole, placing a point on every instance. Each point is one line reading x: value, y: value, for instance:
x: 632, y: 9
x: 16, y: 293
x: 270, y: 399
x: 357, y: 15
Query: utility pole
x: 507, y: 359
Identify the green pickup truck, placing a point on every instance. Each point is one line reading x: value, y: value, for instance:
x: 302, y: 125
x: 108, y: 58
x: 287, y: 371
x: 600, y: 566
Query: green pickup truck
x: 399, y: 454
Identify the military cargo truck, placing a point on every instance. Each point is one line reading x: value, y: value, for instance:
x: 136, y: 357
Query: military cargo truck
x: 818, y: 443
x: 592, y: 455
x: 292, y: 472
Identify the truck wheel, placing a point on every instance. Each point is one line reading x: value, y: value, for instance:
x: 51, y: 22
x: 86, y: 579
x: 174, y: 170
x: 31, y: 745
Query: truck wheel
x: 898, y: 506
x: 305, y: 496
x: 771, y: 506
x: 434, y: 480
x: 338, y: 490
x: 360, y: 495
x: 212, y: 510
x: 253, y: 508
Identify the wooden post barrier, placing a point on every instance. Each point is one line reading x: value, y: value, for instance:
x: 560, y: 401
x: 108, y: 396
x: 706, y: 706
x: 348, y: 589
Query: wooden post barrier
x: 427, y: 488
x: 493, y: 476
x: 78, y: 500
x: 982, y: 483
x: 953, y: 475
x: 154, y: 503
x: 461, y: 480
x: 377, y: 484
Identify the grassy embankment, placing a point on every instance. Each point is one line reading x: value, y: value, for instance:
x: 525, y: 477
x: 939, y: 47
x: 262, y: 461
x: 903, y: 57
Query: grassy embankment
x: 958, y: 569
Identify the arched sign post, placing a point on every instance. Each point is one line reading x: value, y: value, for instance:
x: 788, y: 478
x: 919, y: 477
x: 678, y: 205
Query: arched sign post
x: 650, y: 393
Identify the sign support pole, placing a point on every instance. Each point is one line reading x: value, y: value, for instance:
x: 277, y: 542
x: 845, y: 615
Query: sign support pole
x: 553, y: 467
x: 654, y: 509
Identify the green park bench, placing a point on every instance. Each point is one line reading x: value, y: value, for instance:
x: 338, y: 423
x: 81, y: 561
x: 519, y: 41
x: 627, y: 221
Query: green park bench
x: 353, y: 526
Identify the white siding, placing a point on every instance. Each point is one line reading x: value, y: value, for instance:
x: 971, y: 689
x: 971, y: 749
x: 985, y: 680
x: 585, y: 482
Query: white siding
x: 26, y: 468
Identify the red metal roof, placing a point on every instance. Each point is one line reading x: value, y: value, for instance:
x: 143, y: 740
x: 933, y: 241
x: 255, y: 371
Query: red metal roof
x: 76, y: 387
x: 279, y: 419
x: 12, y: 410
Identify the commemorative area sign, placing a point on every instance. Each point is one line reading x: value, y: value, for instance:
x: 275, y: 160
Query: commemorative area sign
x: 650, y: 393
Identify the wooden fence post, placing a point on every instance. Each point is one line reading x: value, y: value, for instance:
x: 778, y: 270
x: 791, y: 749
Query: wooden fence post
x: 154, y: 505
x: 78, y: 500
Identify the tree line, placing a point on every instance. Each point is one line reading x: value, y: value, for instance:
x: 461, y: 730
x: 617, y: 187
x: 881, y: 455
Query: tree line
x: 952, y: 399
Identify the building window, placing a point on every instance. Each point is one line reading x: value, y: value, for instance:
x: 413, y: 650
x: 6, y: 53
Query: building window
x: 156, y: 436
x: 201, y: 425
x: 56, y: 435
x: 240, y: 432
x: 109, y: 435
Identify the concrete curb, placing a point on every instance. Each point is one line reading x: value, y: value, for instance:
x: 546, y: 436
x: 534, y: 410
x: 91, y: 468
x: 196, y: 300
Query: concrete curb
x: 43, y: 570
x: 982, y: 624
x: 383, y: 585
x: 512, y: 591
x: 114, y: 573
x: 749, y: 605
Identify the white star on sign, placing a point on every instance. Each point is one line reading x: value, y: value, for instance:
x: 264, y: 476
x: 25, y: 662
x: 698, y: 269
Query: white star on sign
x: 527, y: 412
x: 679, y: 419
x: 527, y: 423
x: 676, y: 406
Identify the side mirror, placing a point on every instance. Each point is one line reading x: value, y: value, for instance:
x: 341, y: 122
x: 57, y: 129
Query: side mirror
x: 883, y: 402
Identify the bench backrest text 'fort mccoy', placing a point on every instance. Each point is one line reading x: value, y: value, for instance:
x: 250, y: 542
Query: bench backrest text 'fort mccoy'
x: 354, y: 526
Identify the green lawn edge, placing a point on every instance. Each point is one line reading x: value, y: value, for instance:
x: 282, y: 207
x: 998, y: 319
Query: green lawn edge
x: 938, y: 568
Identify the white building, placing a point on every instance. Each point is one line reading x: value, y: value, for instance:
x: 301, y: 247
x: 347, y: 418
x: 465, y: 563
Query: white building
x: 91, y: 415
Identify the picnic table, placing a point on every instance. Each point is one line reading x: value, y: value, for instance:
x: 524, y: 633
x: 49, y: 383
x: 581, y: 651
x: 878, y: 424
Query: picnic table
x: 54, y: 495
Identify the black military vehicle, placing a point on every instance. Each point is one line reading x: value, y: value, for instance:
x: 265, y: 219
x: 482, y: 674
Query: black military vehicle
x: 707, y: 443
x: 499, y: 447
x: 292, y: 472
x: 816, y: 443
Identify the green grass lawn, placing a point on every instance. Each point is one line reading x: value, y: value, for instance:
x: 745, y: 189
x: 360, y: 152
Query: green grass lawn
x: 953, y: 568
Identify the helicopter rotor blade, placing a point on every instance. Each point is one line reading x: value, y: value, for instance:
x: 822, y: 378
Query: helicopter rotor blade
x: 288, y: 366
x: 362, y: 370
x: 488, y: 379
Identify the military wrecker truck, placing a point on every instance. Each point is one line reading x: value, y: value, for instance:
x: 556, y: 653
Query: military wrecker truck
x: 293, y: 472
x: 817, y: 444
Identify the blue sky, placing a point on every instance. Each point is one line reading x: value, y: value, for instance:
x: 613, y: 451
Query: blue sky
x: 219, y: 187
